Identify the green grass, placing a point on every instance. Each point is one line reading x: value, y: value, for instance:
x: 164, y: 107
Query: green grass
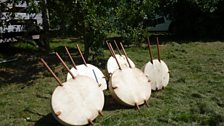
x: 194, y: 95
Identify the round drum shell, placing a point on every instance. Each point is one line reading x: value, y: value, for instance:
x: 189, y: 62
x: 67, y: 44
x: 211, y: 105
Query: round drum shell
x: 112, y: 64
x: 77, y: 101
x: 157, y: 73
x: 130, y: 86
x: 88, y: 71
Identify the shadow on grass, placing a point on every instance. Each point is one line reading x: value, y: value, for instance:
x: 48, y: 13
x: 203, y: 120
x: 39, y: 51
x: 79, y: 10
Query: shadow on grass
x: 25, y: 69
x: 18, y: 65
x: 110, y: 104
x: 26, y: 65
x: 47, y: 120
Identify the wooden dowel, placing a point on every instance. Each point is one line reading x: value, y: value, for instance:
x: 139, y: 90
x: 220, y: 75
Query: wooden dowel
x: 115, y: 87
x: 58, y: 113
x: 100, y: 113
x: 90, y: 122
x: 158, y: 49
x: 145, y: 102
x: 119, y: 51
x: 83, y: 59
x: 49, y: 69
x: 109, y: 49
x: 59, y: 57
x: 112, y: 50
x: 137, y: 106
x: 150, y: 51
x: 69, y: 54
x: 125, y: 54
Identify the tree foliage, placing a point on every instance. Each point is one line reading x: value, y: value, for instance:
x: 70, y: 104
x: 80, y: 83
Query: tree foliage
x: 97, y: 20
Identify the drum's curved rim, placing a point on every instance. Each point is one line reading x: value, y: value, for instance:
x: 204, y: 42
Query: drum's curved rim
x: 117, y: 98
x: 89, y: 68
x: 101, y: 94
x: 157, y: 63
x: 121, y: 59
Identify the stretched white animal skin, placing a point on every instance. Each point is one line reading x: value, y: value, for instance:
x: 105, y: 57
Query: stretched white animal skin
x: 112, y: 64
x: 77, y: 102
x: 130, y: 86
x: 89, y: 71
x: 157, y: 73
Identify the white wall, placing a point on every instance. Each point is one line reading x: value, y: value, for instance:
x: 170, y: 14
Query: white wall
x: 19, y: 15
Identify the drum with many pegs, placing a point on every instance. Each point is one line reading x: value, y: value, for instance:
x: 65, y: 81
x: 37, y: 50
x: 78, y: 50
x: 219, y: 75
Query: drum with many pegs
x: 90, y: 71
x: 130, y: 86
x: 112, y: 65
x: 158, y: 73
x: 78, y: 101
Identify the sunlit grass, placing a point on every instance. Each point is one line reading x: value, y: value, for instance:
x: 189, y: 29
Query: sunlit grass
x: 194, y: 95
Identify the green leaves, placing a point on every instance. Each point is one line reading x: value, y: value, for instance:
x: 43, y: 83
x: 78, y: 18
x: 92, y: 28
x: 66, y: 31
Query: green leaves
x: 97, y: 20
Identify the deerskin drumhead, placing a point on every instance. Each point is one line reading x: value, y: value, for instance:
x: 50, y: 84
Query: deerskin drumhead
x: 88, y: 71
x: 112, y: 64
x: 130, y: 86
x: 158, y: 73
x: 77, y: 101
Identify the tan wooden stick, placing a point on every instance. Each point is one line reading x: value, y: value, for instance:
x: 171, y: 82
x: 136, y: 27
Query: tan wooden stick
x: 83, y: 59
x: 100, y: 113
x: 90, y: 122
x: 158, y: 49
x: 112, y: 50
x: 125, y: 54
x: 150, y: 51
x: 69, y: 54
x: 145, y: 102
x: 119, y: 51
x: 49, y: 69
x: 59, y: 57
x: 109, y: 49
x: 137, y: 106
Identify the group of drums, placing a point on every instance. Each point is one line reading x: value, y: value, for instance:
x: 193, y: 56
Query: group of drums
x: 80, y: 99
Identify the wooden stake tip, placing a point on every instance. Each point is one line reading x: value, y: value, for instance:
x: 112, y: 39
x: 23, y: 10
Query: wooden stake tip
x: 49, y: 69
x: 125, y: 54
x: 115, y: 87
x: 64, y: 64
x: 150, y: 51
x: 100, y: 113
x: 113, y: 54
x: 137, y: 106
x: 80, y: 52
x: 58, y: 113
x: 70, y: 56
x: 90, y: 122
x: 118, y: 49
x: 145, y: 102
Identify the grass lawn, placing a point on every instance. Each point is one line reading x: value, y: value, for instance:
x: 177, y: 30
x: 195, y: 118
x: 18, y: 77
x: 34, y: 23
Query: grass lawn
x: 194, y: 95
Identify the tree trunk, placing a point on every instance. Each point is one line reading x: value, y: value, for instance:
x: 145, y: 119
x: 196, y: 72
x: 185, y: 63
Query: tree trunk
x: 43, y: 43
